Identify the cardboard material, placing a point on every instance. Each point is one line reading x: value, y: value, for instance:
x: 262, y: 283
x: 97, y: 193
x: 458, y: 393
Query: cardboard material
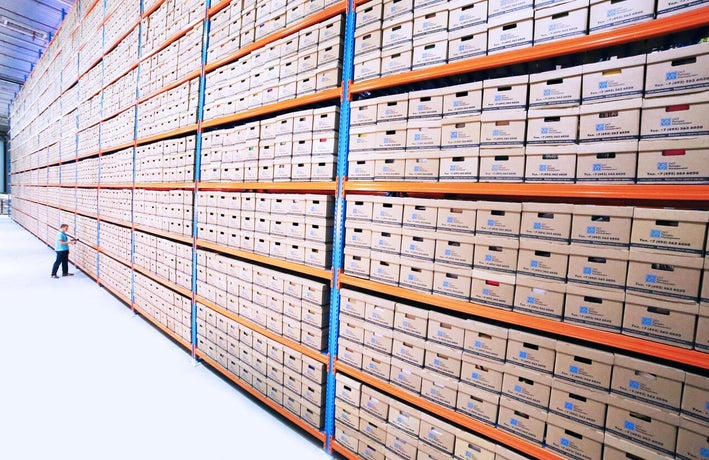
x: 610, y: 121
x: 444, y: 360
x: 401, y: 443
x: 450, y: 281
x: 507, y: 93
x: 673, y: 161
x: 463, y: 14
x: 607, y: 15
x: 522, y: 420
x: 437, y: 433
x: 498, y: 218
x: 642, y: 424
x: 668, y: 230
x: 550, y: 163
x: 664, y: 276
x: 493, y: 288
x: 539, y: 298
x: 691, y: 440
x: 375, y: 403
x: 372, y: 427
x: 405, y: 376
x: 441, y: 390
x: 603, y: 267
x: 649, y: 382
x: 405, y: 418
x: 409, y: 349
x: 529, y: 387
x: 607, y: 162
x: 468, y: 445
x: 502, y: 164
x: 666, y: 321
x: 560, y: 87
x: 531, y: 351
x: 675, y: 116
x: 560, y: 21
x: 594, y: 308
x: 621, y: 78
x: 676, y: 70
x: 456, y: 216
x: 486, y: 340
x: 503, y: 127
x: 411, y: 320
x: 496, y: 254
x: 583, y: 365
x: 507, y: 32
x: 462, y: 99
x: 546, y: 221
x: 617, y: 448
x: 552, y: 126
x: 480, y: 405
x: 446, y: 329
x: 578, y: 403
x: 695, y: 398
x: 573, y: 439
x: 602, y: 225
x: 466, y: 43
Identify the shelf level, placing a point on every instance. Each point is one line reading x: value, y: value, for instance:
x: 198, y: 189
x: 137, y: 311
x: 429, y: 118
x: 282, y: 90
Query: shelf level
x: 159, y: 279
x: 162, y: 327
x: 658, y: 350
x: 265, y: 332
x: 477, y: 427
x: 189, y: 129
x: 320, y: 96
x: 163, y: 234
x: 655, y: 28
x: 271, y: 404
x: 274, y: 186
x: 114, y: 257
x: 299, y: 268
x: 599, y: 192
x: 164, y: 186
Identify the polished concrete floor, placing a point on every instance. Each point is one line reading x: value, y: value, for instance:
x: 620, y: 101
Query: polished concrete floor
x: 83, y: 378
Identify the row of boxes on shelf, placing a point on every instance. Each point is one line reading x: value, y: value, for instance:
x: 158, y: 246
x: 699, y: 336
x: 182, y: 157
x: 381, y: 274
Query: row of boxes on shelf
x: 241, y: 23
x: 169, y: 18
x: 285, y: 376
x: 167, y: 259
x: 297, y: 228
x: 88, y: 141
x: 86, y: 230
x: 118, y: 130
x: 376, y: 426
x: 165, y: 161
x: 164, y: 305
x: 116, y: 241
x: 293, y: 66
x: 518, y: 257
x: 170, y: 211
x: 89, y: 112
x: 398, y: 36
x: 117, y: 167
x: 115, y: 275
x: 294, y: 146
x: 114, y: 204
x: 118, y: 20
x: 287, y: 305
x: 169, y: 110
x: 180, y: 58
x: 120, y: 58
x: 671, y: 161
x: 119, y: 95
x: 83, y: 256
x: 488, y: 371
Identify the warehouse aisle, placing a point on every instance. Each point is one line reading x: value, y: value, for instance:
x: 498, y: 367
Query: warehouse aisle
x: 83, y: 378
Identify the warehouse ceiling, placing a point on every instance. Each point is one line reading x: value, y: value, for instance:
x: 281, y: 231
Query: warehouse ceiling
x: 26, y: 27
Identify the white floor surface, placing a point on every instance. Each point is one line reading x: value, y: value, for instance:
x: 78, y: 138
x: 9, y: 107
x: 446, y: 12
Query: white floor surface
x: 83, y: 378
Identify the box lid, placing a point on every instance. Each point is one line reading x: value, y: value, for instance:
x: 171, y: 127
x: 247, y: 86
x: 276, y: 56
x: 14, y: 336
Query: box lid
x: 614, y: 63
x: 678, y: 53
x: 456, y: 204
x: 504, y: 115
x: 532, y: 411
x: 411, y: 310
x: 585, y: 352
x: 649, y: 367
x: 611, y: 106
x: 594, y: 210
x: 696, y: 381
x: 666, y: 259
x: 691, y: 98
x: 482, y: 240
x: 632, y: 448
x: 447, y: 319
x: 557, y: 208
x: 526, y: 337
x: 506, y: 81
x: 605, y: 147
x: 493, y: 276
x: 555, y: 74
x: 580, y: 390
x: 644, y: 409
x: 663, y: 303
x: 543, y: 149
x: 510, y: 151
x: 552, y: 112
x: 537, y: 283
x: 560, y: 8
x: 701, y: 217
x: 485, y: 363
x: 424, y: 93
x: 578, y: 428
x: 529, y: 374
x: 499, y: 205
x: 593, y: 251
x: 487, y: 396
x: 686, y: 143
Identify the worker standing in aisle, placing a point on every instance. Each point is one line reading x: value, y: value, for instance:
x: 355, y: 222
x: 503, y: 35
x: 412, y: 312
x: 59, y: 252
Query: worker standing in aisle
x: 61, y: 246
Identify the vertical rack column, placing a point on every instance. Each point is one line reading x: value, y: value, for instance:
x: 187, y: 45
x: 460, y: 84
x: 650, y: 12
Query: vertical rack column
x: 98, y: 181
x: 197, y: 168
x: 339, y: 223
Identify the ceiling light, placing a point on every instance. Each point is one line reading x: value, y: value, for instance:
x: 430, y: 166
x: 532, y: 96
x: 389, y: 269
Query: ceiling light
x: 23, y: 29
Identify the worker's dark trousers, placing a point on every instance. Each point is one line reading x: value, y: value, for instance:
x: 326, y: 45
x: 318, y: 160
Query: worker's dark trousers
x: 63, y: 259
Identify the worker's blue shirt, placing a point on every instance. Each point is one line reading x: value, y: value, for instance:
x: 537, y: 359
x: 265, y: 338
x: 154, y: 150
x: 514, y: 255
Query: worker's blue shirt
x: 62, y: 242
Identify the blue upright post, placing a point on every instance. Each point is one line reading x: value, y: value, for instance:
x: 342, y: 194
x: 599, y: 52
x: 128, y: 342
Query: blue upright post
x: 339, y: 223
x: 197, y: 168
x: 135, y: 137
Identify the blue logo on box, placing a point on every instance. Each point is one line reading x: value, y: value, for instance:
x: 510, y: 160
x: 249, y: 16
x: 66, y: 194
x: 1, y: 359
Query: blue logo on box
x: 412, y: 247
x: 535, y: 263
x: 498, y: 98
x: 411, y: 277
x: 603, y: 84
x: 437, y: 362
x: 704, y: 452
x: 475, y: 376
x: 488, y: 258
x: 518, y: 389
x: 456, y: 103
x: 513, y: 422
x: 597, y: 167
x: 568, y: 405
x: 629, y: 425
x: 547, y: 92
x: 666, y: 122
x: 447, y: 252
x: 537, y: 226
x: 495, y: 168
x: 446, y: 284
x: 545, y: 130
x: 417, y: 137
x: 471, y: 405
x: 531, y: 300
x: 587, y: 270
x: 490, y: 222
x: 671, y: 76
x: 646, y: 321
x: 574, y: 369
x: 523, y: 354
x: 543, y: 168
x: 583, y: 310
x: 486, y: 291
x: 600, y: 126
x: 440, y: 334
x: 662, y: 166
x: 461, y: 48
x: 449, y: 220
x: 634, y: 384
x: 495, y: 132
x: 591, y: 230
x: 650, y: 278
x: 564, y: 442
x: 454, y: 135
x: 655, y: 233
